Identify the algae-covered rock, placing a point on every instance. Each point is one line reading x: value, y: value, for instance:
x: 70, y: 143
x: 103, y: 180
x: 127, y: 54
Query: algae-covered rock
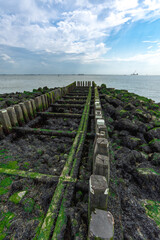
x: 155, y: 159
x: 126, y: 124
x: 155, y: 145
x: 153, y: 133
x: 17, y: 197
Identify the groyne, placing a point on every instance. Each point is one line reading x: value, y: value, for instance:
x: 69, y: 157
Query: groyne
x: 80, y: 162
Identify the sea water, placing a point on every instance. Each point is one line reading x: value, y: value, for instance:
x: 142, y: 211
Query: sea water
x: 148, y: 86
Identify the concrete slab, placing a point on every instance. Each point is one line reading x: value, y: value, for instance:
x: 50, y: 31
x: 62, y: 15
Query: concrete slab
x: 101, y: 225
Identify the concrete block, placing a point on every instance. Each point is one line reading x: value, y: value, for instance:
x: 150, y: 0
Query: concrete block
x: 33, y: 107
x: 28, y: 106
x: 38, y: 103
x: 98, y: 192
x: 101, y: 166
x: 12, y: 116
x: 19, y: 114
x: 101, y: 225
x: 5, y: 121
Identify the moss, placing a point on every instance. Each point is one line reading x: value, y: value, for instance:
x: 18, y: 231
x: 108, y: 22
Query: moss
x: 147, y: 171
x: 3, y: 190
x: 26, y: 165
x: 1, y: 99
x: 5, y: 218
x: 6, y: 182
x: 16, y: 197
x: 154, y: 140
x: 152, y: 210
x: 28, y: 204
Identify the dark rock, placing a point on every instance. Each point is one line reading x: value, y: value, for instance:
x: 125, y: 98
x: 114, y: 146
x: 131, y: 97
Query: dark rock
x: 155, y: 145
x: 126, y: 124
x: 109, y: 109
x: 153, y: 133
x: 155, y: 159
x: 131, y: 142
x: 129, y: 107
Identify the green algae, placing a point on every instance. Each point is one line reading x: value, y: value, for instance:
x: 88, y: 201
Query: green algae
x: 5, y: 219
x: 6, y: 182
x: 17, y: 197
x: 28, y: 204
x: 147, y: 171
x: 3, y: 190
x: 152, y: 209
x: 10, y: 165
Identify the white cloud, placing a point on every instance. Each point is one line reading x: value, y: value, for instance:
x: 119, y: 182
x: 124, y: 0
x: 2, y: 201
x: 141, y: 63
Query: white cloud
x: 7, y: 58
x: 45, y: 26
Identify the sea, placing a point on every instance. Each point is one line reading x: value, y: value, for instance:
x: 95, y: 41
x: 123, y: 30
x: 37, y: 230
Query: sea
x: 148, y: 86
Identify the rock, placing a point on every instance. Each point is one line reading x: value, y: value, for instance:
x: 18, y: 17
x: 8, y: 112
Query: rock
x: 110, y: 109
x: 126, y: 124
x: 155, y: 145
x: 131, y: 142
x: 153, y: 133
x: 129, y: 107
x: 155, y: 159
x: 145, y: 148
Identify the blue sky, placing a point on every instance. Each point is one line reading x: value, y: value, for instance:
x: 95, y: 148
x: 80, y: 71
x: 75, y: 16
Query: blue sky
x: 80, y: 36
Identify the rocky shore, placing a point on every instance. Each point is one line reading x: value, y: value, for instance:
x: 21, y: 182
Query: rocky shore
x: 9, y: 99
x: 133, y: 124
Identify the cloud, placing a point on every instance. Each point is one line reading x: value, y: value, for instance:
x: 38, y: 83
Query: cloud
x: 7, y: 58
x: 77, y: 28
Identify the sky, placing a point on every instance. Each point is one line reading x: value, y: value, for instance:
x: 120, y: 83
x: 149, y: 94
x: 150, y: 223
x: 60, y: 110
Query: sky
x: 80, y: 36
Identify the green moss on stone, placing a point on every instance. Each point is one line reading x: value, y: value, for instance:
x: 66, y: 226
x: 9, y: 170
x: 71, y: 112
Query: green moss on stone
x: 6, y: 182
x: 152, y: 210
x: 16, y: 197
x: 3, y: 190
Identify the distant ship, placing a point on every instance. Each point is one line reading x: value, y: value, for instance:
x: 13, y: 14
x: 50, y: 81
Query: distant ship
x: 135, y: 73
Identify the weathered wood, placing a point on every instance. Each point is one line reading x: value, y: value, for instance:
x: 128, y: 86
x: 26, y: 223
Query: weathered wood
x: 64, y: 115
x: 25, y: 130
x: 67, y: 105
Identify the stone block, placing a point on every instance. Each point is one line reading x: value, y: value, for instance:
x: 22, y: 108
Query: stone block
x: 98, y: 192
x: 12, y: 116
x: 24, y: 110
x: 33, y: 107
x: 28, y: 106
x: 5, y: 121
x: 38, y: 103
x: 101, y: 166
x: 101, y: 225
x: 19, y: 114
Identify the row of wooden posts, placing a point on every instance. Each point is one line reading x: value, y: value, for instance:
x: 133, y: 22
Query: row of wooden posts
x: 101, y: 221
